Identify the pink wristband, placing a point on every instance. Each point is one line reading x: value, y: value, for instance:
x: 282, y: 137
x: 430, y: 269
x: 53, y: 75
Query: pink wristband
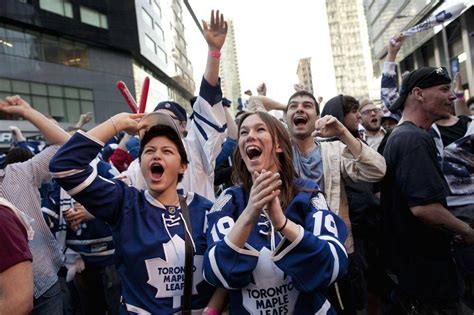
x: 211, y: 311
x: 215, y: 54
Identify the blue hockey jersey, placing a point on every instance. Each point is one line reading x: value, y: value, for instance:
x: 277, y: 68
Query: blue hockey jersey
x: 271, y: 275
x: 148, y: 237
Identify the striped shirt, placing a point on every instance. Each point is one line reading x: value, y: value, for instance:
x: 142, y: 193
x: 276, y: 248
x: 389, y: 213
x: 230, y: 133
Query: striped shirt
x: 19, y: 184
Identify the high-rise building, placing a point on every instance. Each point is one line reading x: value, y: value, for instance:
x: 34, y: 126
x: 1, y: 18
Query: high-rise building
x: 350, y: 47
x: 304, y: 74
x: 450, y: 45
x: 65, y: 57
x: 229, y: 67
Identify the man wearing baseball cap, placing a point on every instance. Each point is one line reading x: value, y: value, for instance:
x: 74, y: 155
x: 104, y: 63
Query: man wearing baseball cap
x: 418, y: 229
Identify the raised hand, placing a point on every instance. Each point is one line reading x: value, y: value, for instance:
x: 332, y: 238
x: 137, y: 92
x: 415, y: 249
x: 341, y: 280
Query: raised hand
x: 128, y: 122
x: 394, y: 46
x: 458, y: 83
x: 328, y: 126
x: 85, y: 118
x: 14, y: 105
x: 215, y: 32
x: 262, y: 89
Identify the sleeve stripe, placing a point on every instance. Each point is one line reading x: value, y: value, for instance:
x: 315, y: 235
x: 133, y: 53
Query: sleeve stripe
x: 210, y: 124
x: 66, y: 173
x: 335, y: 270
x: 201, y: 130
x: 324, y: 309
x: 50, y: 212
x: 88, y: 136
x: 89, y: 242
x: 215, y: 268
x: 84, y: 184
x: 98, y: 254
x: 243, y: 251
x: 289, y: 247
x: 334, y: 240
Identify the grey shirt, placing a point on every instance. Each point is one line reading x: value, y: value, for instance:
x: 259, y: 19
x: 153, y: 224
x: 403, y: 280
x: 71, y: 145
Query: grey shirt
x: 310, y: 166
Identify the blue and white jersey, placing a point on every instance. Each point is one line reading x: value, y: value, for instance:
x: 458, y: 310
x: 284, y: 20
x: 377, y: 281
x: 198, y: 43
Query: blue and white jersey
x: 148, y: 237
x: 272, y: 275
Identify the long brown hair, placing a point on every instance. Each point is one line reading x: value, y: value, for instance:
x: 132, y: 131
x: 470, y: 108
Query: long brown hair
x: 283, y: 160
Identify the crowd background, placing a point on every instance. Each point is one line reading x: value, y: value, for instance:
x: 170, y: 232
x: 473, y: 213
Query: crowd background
x: 355, y: 207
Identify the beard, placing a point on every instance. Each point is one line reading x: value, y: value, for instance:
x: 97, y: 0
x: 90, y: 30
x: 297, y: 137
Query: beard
x: 373, y: 127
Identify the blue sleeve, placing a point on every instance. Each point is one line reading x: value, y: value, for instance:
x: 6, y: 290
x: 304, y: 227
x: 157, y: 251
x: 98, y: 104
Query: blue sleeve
x: 226, y: 150
x: 319, y: 244
x: 71, y: 169
x: 225, y: 265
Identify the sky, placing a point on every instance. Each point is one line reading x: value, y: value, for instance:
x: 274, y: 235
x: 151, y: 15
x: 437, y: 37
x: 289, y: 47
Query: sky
x: 271, y: 36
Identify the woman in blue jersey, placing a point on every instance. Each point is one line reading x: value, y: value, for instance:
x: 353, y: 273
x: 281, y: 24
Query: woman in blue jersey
x: 272, y: 240
x: 151, y: 233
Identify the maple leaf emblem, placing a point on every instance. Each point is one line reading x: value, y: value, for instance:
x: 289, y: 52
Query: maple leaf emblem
x: 167, y: 275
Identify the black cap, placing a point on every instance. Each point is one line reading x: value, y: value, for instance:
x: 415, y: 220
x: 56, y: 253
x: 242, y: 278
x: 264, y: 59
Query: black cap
x: 174, y: 107
x: 423, y: 78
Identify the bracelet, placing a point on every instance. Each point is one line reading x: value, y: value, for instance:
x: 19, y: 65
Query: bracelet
x: 211, y: 311
x: 284, y: 225
x: 214, y: 54
x: 113, y: 123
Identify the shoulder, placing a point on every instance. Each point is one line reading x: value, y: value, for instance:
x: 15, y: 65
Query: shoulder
x: 196, y: 200
x: 14, y: 240
x: 232, y: 195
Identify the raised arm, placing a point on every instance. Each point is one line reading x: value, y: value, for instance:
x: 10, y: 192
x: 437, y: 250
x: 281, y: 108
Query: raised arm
x: 389, y: 88
x: 51, y: 131
x: 460, y: 107
x: 215, y: 33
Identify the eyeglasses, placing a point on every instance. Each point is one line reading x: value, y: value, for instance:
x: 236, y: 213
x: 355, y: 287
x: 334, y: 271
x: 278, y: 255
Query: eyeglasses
x: 370, y: 111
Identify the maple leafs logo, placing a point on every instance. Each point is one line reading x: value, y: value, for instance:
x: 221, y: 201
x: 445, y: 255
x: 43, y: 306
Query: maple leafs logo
x: 167, y: 275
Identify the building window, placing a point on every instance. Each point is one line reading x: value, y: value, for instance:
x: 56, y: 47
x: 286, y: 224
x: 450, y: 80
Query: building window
x: 150, y: 43
x: 61, y: 7
x: 162, y: 55
x: 147, y: 18
x: 94, y: 18
x: 21, y: 43
x: 63, y: 103
x: 159, y: 32
x: 156, y: 7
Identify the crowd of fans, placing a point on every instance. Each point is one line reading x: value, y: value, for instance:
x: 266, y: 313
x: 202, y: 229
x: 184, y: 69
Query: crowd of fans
x: 358, y: 208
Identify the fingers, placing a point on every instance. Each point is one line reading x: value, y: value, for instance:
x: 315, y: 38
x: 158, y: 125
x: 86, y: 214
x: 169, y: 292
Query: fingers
x: 212, y: 19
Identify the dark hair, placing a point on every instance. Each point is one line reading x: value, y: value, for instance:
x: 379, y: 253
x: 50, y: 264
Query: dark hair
x: 283, y: 160
x: 168, y: 132
x: 304, y: 93
x: 349, y: 104
x: 16, y: 155
x: 470, y: 101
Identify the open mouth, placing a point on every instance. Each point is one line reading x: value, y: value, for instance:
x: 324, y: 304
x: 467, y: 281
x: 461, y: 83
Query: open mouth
x: 374, y: 120
x: 298, y: 121
x: 157, y: 171
x: 253, y: 152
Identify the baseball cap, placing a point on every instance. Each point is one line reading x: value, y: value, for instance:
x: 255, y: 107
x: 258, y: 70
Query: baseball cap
x: 423, y: 78
x: 154, y: 119
x: 174, y: 107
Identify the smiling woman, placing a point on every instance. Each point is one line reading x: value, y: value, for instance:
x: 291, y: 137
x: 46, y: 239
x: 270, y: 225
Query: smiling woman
x: 272, y: 239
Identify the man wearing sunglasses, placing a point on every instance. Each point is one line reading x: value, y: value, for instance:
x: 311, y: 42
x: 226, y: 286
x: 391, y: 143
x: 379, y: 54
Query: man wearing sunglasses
x: 418, y: 229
